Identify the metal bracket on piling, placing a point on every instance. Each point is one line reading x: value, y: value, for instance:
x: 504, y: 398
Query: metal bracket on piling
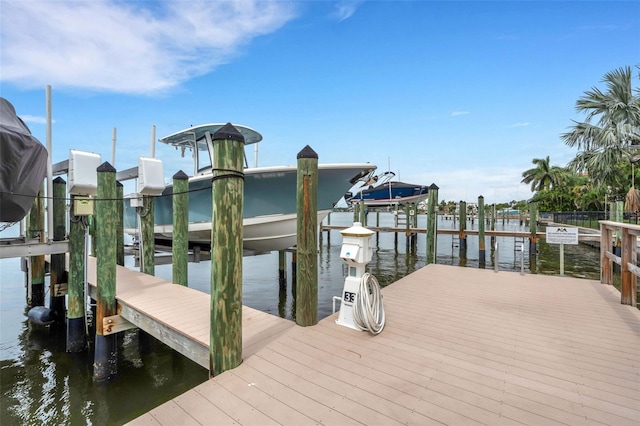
x: 60, y: 289
x: 115, y: 324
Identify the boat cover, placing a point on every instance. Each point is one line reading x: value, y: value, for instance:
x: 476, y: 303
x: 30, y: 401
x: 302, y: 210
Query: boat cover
x: 23, y: 165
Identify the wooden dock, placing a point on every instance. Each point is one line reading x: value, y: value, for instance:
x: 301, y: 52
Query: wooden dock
x: 461, y: 346
x: 179, y: 316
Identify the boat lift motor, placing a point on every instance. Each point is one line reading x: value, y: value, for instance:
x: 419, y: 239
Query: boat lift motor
x: 361, y: 302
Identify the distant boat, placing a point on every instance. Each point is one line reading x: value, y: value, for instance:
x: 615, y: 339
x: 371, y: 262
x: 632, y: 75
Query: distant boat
x: 381, y: 191
x: 23, y: 165
x: 269, y: 194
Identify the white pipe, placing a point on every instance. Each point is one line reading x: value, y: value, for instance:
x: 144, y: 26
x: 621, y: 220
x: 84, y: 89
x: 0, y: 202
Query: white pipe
x: 113, y: 148
x: 255, y: 155
x: 49, y: 168
x: 153, y: 141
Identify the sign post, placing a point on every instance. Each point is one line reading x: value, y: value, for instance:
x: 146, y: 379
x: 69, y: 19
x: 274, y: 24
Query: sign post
x: 562, y: 235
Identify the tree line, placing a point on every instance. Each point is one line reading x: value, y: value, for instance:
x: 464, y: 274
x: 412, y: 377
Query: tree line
x: 608, y: 150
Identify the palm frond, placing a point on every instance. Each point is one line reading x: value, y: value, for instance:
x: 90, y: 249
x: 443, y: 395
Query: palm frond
x: 632, y: 200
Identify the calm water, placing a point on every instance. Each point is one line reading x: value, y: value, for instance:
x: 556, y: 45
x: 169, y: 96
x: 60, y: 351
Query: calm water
x: 42, y: 384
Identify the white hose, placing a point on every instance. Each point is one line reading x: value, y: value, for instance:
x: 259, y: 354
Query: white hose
x: 368, y: 312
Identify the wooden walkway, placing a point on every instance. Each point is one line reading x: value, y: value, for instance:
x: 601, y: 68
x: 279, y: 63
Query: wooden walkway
x: 461, y: 346
x: 179, y: 316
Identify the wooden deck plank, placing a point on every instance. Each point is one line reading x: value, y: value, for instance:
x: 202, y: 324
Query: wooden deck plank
x: 168, y: 414
x: 202, y: 410
x: 461, y: 346
x: 270, y: 383
x: 179, y: 316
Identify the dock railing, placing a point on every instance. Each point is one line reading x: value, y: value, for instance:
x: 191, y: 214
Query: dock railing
x: 626, y: 239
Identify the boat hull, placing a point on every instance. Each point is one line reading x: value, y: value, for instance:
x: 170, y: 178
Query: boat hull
x: 261, y: 234
x: 391, y: 194
x: 386, y: 202
x: 269, y: 210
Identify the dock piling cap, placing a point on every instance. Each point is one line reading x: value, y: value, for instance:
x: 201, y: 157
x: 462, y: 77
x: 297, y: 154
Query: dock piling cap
x: 357, y: 230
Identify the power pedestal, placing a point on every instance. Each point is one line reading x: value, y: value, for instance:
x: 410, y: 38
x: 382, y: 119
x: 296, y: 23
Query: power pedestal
x: 356, y: 252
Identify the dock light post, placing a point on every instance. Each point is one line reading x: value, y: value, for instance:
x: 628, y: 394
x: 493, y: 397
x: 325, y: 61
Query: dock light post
x: 225, y: 344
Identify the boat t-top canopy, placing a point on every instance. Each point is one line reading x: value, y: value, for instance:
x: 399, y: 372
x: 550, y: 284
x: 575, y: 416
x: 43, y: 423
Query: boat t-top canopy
x: 189, y: 137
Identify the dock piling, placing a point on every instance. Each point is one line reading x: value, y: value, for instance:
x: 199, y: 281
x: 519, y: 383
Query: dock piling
x: 462, y: 236
x: 282, y: 268
x: 76, y: 325
x: 105, y: 357
x: 35, y: 291
x: 58, y: 278
x: 180, y: 244
x: 147, y: 240
x: 307, y: 245
x: 120, y: 222
x: 481, y: 242
x: 533, y: 228
x: 225, y: 345
x: 432, y: 222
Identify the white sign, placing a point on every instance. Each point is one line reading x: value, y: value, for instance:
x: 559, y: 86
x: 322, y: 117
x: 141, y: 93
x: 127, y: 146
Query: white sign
x: 562, y: 235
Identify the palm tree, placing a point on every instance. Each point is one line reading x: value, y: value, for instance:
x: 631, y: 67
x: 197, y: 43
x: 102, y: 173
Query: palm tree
x: 611, y: 132
x: 543, y: 175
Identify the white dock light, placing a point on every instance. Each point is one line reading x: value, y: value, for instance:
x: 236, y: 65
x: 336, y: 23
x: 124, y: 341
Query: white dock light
x: 150, y: 176
x: 361, y: 301
x: 83, y: 177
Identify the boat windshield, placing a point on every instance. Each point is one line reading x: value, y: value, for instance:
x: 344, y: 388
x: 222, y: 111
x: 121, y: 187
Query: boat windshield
x: 203, y: 158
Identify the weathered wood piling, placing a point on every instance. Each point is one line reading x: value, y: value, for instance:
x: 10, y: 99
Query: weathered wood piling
x: 147, y: 240
x: 105, y: 356
x: 307, y: 245
x: 481, y: 242
x: 533, y: 228
x: 76, y: 322
x: 226, y: 250
x: 432, y: 223
x: 58, y: 277
x: 180, y: 242
x: 120, y: 223
x: 35, y: 291
x: 462, y: 236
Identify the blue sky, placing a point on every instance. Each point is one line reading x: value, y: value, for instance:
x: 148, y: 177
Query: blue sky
x: 460, y: 94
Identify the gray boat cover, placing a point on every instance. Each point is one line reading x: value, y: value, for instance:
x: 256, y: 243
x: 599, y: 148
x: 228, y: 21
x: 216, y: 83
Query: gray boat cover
x: 23, y: 165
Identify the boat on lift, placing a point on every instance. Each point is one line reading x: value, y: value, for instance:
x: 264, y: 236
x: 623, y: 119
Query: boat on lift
x: 381, y: 191
x: 270, y: 221
x: 23, y: 165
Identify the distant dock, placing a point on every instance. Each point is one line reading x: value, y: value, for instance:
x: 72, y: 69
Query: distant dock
x: 461, y: 346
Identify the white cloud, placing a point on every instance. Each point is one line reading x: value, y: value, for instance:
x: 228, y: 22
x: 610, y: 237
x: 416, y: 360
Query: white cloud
x: 457, y: 113
x: 136, y: 47
x: 520, y: 125
x: 35, y: 119
x: 345, y: 9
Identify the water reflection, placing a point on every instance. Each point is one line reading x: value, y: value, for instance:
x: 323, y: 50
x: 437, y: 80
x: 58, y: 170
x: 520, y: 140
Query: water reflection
x: 46, y: 385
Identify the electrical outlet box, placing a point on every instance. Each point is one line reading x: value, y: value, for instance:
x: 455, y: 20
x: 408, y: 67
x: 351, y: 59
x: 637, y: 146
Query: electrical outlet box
x: 136, y: 201
x: 82, y: 206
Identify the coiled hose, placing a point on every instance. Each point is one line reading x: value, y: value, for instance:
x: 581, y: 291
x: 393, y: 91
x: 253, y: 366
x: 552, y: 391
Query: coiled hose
x: 368, y: 312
